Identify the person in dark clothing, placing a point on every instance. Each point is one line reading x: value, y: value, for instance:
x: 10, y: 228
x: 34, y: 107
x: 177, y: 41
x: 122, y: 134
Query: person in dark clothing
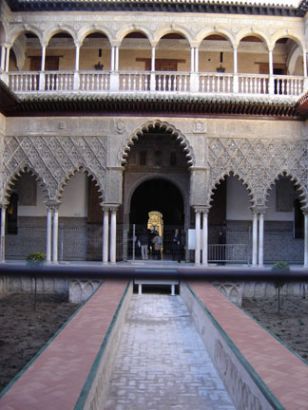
x: 144, y: 239
x: 177, y: 246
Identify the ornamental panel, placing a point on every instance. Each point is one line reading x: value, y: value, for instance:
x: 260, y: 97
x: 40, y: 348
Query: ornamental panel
x: 53, y: 160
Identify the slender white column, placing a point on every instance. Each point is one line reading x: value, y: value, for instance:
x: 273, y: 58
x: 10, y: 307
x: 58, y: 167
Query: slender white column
x: 106, y: 235
x: 116, y: 52
x: 305, y: 63
x: 197, y: 60
x: 153, y: 59
x: 235, y: 61
x: 49, y: 234
x: 255, y: 239
x: 77, y: 58
x: 197, y: 228
x: 113, y: 235
x: 7, y: 59
x: 306, y: 241
x: 270, y: 62
x: 43, y: 59
x: 112, y: 59
x: 261, y: 239
x: 192, y: 60
x: 55, y: 235
x: 3, y: 52
x: 2, y: 244
x: 205, y: 239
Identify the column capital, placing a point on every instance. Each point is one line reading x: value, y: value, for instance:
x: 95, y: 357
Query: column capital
x: 110, y: 207
x: 53, y: 204
x: 305, y: 210
x: 201, y: 208
x: 258, y: 209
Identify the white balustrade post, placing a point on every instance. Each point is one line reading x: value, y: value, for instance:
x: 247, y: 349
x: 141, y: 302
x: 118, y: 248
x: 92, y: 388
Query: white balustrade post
x: 76, y: 72
x: 113, y: 235
x: 306, y: 240
x: 255, y: 239
x: 2, y: 243
x: 235, y: 70
x: 105, y: 234
x: 49, y: 234
x: 197, y: 236
x: 271, y: 87
x: 261, y: 239
x: 205, y: 238
x: 55, y: 235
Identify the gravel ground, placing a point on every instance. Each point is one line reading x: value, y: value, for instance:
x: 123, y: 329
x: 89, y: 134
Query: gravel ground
x: 290, y: 326
x: 24, y: 330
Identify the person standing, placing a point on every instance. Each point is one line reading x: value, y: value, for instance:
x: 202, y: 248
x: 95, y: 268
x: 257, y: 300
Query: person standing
x: 157, y: 243
x: 144, y: 244
x: 176, y: 246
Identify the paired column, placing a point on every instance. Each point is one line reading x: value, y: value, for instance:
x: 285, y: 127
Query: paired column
x: 2, y: 243
x: 258, y: 237
x: 271, y: 72
x: 235, y: 71
x: 109, y: 233
x: 52, y: 233
x: 306, y: 239
x: 201, y: 237
x: 76, y: 72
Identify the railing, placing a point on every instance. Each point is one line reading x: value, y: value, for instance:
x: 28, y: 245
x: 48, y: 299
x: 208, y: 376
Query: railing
x: 134, y: 81
x: 229, y: 253
x: 24, y: 81
x: 253, y: 84
x: 216, y: 83
x: 94, y: 81
x: 172, y: 81
x: 145, y: 81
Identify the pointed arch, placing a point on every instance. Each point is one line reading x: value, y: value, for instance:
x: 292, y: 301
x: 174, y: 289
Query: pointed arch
x: 22, y: 169
x: 224, y: 175
x: 299, y: 187
x: 71, y: 173
x: 164, y: 126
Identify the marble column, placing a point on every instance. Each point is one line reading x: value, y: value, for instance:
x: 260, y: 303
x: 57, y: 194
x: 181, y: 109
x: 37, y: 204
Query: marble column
x: 7, y: 65
x: 2, y: 243
x: 205, y: 238
x: 49, y: 233
x: 306, y: 240
x: 197, y: 236
x: 254, y: 238
x: 113, y: 235
x: 55, y: 235
x: 105, y: 234
x: 261, y: 239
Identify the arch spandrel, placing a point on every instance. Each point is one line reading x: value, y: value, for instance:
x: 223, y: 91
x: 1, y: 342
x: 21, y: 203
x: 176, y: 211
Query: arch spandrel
x: 54, y: 159
x: 165, y: 126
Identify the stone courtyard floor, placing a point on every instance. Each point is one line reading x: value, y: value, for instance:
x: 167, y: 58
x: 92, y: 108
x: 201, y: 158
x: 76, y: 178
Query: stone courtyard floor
x: 161, y: 362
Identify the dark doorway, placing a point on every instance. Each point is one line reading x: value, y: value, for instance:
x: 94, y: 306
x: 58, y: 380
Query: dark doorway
x: 218, y: 211
x: 162, y: 196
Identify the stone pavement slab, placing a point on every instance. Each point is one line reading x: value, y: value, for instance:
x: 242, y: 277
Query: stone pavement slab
x: 161, y: 362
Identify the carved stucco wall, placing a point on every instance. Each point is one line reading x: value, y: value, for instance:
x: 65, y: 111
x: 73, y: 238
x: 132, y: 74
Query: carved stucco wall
x: 256, y: 151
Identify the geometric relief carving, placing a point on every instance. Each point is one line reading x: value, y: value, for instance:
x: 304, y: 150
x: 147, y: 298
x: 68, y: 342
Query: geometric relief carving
x: 54, y: 159
x: 258, y: 163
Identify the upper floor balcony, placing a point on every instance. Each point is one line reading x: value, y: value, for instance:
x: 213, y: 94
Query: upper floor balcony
x: 171, y: 64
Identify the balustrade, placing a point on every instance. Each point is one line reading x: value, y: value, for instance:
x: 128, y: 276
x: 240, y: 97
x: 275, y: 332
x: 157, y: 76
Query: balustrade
x: 166, y: 82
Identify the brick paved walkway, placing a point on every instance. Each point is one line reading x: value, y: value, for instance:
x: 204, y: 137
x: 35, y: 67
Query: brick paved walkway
x: 161, y: 361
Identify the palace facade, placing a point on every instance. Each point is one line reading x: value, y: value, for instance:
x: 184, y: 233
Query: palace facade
x: 120, y: 116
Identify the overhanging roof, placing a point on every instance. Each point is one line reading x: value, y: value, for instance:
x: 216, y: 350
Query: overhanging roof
x: 255, y: 7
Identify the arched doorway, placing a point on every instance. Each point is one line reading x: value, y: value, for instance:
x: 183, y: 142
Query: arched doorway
x: 156, y: 178
x: 157, y: 204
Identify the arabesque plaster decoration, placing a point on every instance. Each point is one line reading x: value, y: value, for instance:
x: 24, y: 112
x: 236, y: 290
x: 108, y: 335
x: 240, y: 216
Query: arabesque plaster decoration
x: 258, y: 163
x: 53, y: 160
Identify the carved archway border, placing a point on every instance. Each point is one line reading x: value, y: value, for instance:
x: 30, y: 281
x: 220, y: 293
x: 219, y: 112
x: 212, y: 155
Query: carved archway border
x: 72, y: 172
x: 300, y: 188
x: 224, y: 175
x: 23, y: 169
x: 165, y: 126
